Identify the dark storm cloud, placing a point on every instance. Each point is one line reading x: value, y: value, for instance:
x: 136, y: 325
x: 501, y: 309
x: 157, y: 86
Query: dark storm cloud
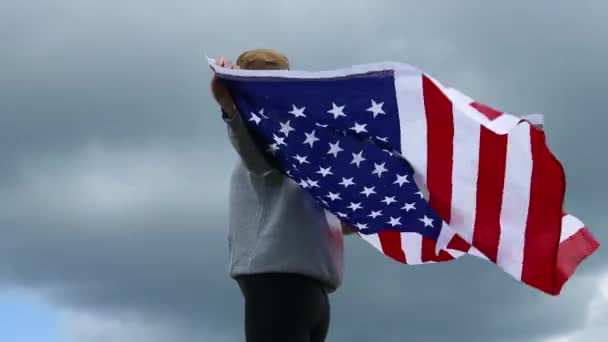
x: 136, y: 223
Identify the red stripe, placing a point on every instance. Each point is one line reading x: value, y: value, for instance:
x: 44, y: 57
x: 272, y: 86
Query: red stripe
x: 428, y: 251
x: 440, y: 148
x: 390, y: 240
x: 459, y: 244
x: 571, y: 253
x: 489, y: 112
x: 543, y: 226
x: 490, y: 185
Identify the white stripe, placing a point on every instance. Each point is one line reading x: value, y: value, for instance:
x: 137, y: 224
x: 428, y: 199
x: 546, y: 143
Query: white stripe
x: 570, y: 225
x: 411, y: 243
x: 445, y: 236
x: 504, y: 123
x: 341, y: 72
x: 464, y: 175
x: 535, y: 119
x: 501, y: 125
x: 372, y: 239
x: 462, y: 102
x: 476, y: 252
x: 455, y: 254
x: 412, y: 122
x: 515, y: 201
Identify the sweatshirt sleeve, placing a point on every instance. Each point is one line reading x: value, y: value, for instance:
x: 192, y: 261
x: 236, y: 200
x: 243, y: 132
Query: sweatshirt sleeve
x: 242, y: 141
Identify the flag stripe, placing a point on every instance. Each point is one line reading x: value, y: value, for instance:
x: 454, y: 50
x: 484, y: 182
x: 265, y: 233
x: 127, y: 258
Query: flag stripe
x: 372, y: 239
x: 390, y: 240
x: 459, y: 244
x: 515, y: 199
x: 428, y: 249
x: 544, y: 216
x: 446, y: 238
x: 489, y: 112
x: 440, y: 142
x: 412, y: 244
x: 490, y: 182
x: 412, y: 123
x: 570, y: 225
x: 464, y: 174
x: 440, y: 138
x: 572, y: 251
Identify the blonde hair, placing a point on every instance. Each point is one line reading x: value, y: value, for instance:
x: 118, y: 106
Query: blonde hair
x: 263, y: 59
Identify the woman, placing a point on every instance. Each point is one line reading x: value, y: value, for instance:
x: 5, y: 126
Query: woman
x: 284, y: 253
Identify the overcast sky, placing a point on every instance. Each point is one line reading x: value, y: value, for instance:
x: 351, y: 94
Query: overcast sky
x: 114, y: 162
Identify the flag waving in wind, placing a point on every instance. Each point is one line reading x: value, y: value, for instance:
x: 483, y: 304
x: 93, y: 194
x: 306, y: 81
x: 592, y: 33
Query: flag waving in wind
x: 420, y: 171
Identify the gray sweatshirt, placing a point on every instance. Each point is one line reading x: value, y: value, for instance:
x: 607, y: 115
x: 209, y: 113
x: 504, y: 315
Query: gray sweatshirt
x: 275, y: 226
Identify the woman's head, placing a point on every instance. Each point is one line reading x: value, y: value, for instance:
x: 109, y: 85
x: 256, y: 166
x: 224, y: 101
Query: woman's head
x: 263, y: 59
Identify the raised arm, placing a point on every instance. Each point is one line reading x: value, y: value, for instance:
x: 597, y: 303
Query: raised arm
x: 240, y: 138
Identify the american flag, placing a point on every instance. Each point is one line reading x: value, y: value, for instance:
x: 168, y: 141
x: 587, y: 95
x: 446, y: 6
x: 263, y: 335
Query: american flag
x: 419, y: 170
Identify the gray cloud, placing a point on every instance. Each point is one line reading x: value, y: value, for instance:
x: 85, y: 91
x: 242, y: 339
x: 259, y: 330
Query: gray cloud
x: 113, y: 176
x: 156, y: 252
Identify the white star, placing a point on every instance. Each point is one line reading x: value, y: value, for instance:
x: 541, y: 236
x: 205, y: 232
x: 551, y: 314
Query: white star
x: 286, y: 128
x: 303, y: 184
x: 375, y: 214
x: 368, y: 191
x: 288, y: 172
x: 261, y: 112
x: 272, y: 148
x: 354, y: 206
x: 388, y: 200
x: 278, y: 140
x: 409, y: 206
x: 310, y: 138
x: 361, y: 226
x: 255, y: 119
x: 298, y: 112
x: 383, y: 139
x: 335, y: 149
x: 401, y: 180
x: 343, y: 215
x: 359, y: 128
x: 357, y: 158
x: 419, y: 193
x: 324, y: 202
x: 379, y: 169
x: 394, y: 221
x: 325, y: 172
x: 347, y: 182
x: 428, y: 222
x: 301, y: 160
x: 336, y: 111
x: 333, y: 196
x: 312, y: 184
x: 376, y: 108
x: 320, y: 125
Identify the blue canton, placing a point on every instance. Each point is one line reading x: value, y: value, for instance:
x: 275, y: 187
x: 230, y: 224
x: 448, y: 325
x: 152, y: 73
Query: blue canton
x: 319, y: 133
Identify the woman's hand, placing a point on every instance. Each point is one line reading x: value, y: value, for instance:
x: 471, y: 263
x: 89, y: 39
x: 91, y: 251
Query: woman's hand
x: 220, y: 91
